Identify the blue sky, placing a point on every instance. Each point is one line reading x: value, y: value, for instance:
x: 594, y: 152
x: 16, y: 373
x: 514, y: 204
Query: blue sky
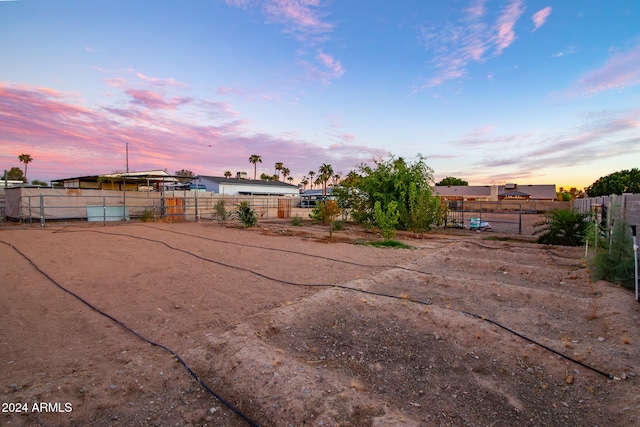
x: 535, y: 92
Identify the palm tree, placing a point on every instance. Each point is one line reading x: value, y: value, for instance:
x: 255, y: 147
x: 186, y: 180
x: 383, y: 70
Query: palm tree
x: 255, y: 159
x: 325, y: 171
x: 285, y: 172
x: 304, y: 182
x: 336, y: 178
x: 25, y: 158
x: 227, y: 174
x: 278, y: 169
x: 290, y: 179
x: 311, y: 174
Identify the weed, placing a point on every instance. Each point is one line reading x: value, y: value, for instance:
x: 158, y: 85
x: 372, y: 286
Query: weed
x: 391, y: 244
x: 220, y: 212
x: 297, y: 221
x: 146, y: 216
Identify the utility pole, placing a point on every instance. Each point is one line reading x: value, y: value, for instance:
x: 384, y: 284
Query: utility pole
x: 127, y: 155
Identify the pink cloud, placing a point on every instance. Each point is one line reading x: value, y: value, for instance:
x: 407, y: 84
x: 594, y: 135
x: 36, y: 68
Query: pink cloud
x: 304, y: 18
x: 152, y: 100
x: 334, y: 66
x: 67, y: 139
x: 505, y: 23
x: 540, y: 17
x: 622, y: 70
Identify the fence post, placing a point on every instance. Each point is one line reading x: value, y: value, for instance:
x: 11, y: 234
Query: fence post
x: 635, y: 258
x: 104, y: 211
x: 42, y: 210
x: 520, y: 219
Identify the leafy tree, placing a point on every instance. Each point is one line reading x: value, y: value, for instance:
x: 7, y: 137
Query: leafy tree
x: 624, y: 181
x: 387, y: 221
x: 265, y: 177
x: 184, y: 175
x: 26, y: 159
x: 254, y: 159
x: 326, y: 211
x: 565, y: 195
x: 562, y: 227
x: 450, y: 180
x: 38, y: 182
x: 409, y: 185
x: 14, y: 174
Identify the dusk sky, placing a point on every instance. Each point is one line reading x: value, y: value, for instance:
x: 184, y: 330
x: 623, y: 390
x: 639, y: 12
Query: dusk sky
x: 490, y: 91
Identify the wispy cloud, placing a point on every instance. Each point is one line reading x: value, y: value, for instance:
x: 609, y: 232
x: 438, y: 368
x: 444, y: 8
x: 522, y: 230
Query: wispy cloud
x: 302, y: 18
x: 472, y: 38
x: 306, y: 21
x: 608, y: 135
x: 620, y: 71
x: 540, y: 17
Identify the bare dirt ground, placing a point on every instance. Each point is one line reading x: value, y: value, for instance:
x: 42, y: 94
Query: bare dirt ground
x: 295, y: 330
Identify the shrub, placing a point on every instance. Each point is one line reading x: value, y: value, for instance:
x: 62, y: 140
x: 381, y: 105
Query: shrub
x: 338, y: 225
x: 615, y: 264
x: 220, y: 211
x: 247, y: 215
x: 562, y: 227
x: 297, y: 220
x: 146, y: 216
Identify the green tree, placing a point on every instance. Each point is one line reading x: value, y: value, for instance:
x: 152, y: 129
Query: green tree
x: 14, y: 174
x: 562, y: 227
x: 38, y: 182
x: 450, y: 180
x: 184, y: 175
x: 254, y: 159
x: 624, y: 181
x: 409, y: 185
x: 304, y: 182
x: 387, y: 221
x: 26, y: 159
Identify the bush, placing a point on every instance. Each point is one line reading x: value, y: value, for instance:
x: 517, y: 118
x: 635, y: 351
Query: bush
x: 297, y: 221
x: 220, y: 211
x: 338, y: 225
x: 562, y: 227
x: 247, y: 215
x: 146, y: 216
x: 615, y: 264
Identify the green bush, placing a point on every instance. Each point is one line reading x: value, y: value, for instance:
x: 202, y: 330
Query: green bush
x: 338, y: 225
x: 146, y: 216
x: 297, y: 220
x: 562, y: 227
x: 220, y: 211
x: 615, y: 263
x: 247, y: 215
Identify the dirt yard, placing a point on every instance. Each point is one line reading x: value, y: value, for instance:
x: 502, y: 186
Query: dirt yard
x: 293, y: 329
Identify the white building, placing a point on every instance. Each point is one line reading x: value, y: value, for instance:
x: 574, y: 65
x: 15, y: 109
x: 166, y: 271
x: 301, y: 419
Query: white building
x: 240, y: 186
